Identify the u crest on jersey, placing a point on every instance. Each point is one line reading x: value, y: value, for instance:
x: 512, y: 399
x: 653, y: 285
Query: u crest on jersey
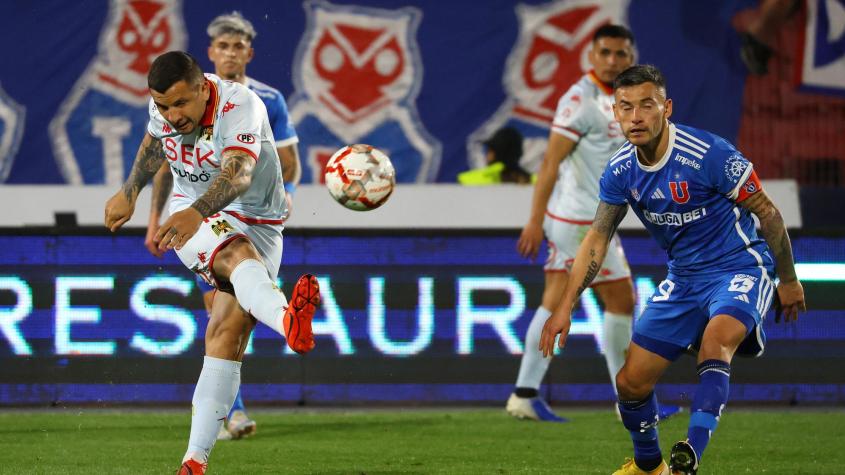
x: 680, y: 191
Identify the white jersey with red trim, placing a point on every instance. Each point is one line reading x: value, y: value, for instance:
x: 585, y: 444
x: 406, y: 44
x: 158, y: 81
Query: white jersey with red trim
x: 235, y: 119
x: 584, y: 115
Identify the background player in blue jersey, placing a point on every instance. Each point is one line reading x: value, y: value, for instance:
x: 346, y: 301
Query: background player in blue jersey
x: 231, y: 50
x: 695, y: 194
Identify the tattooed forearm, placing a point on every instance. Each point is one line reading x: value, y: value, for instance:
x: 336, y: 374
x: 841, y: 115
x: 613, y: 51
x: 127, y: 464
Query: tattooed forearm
x: 608, y: 217
x: 592, y: 270
x: 147, y: 162
x: 234, y: 179
x: 162, y: 184
x: 774, y: 232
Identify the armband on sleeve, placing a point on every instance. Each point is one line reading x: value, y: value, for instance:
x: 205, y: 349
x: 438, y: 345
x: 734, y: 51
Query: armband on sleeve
x: 752, y: 185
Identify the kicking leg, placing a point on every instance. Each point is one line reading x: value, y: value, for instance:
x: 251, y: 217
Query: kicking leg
x: 240, y: 264
x: 525, y: 402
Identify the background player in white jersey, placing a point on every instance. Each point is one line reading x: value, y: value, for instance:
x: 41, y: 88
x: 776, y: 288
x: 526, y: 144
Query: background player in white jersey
x: 225, y: 224
x: 230, y: 50
x: 695, y: 194
x: 583, y: 136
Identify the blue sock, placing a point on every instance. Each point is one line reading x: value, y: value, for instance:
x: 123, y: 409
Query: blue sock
x: 640, y: 418
x: 238, y: 405
x: 710, y: 398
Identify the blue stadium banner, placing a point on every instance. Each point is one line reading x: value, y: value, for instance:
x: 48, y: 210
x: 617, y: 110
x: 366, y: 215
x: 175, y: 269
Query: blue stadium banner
x: 425, y: 80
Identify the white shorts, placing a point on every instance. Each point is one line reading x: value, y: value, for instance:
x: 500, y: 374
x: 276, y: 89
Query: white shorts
x: 220, y: 229
x: 565, y: 237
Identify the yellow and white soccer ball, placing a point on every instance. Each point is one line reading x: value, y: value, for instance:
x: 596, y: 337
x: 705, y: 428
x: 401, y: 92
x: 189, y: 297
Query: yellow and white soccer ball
x: 360, y: 177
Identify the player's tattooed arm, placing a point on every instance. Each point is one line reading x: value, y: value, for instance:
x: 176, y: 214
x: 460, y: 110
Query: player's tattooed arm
x: 162, y: 185
x: 587, y: 264
x: 234, y: 179
x: 147, y: 162
x: 790, y: 293
x: 774, y: 232
x: 607, y: 219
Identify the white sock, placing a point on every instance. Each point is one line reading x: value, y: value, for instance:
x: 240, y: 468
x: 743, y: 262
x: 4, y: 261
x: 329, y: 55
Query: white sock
x: 534, y: 365
x: 258, y: 294
x: 213, y: 397
x: 616, y: 335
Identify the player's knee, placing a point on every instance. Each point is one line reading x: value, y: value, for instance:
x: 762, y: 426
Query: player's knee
x: 233, y: 253
x: 721, y: 343
x: 225, y: 341
x: 630, y: 388
x: 713, y: 349
x: 619, y: 298
x: 622, y: 304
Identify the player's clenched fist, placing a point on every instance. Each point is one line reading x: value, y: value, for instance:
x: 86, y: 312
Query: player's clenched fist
x: 178, y: 229
x: 118, y: 211
x: 558, y: 323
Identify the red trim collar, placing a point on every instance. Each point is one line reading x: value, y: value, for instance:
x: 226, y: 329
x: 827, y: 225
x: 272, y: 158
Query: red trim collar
x: 605, y: 87
x: 211, y: 105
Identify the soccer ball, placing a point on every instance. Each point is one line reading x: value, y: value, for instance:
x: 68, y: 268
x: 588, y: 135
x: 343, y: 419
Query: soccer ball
x: 360, y: 177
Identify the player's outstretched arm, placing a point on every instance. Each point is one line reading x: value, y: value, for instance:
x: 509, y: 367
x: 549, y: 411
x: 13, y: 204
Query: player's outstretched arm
x: 291, y: 171
x: 162, y: 185
x: 587, y: 264
x: 119, y: 208
x: 234, y: 179
x: 790, y: 291
x: 532, y: 234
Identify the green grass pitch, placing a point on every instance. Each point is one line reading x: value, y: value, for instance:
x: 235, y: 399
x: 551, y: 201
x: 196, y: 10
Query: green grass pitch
x: 416, y: 441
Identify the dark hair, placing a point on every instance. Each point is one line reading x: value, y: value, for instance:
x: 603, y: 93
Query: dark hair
x: 172, y: 67
x: 506, y: 143
x: 640, y: 74
x: 613, y: 31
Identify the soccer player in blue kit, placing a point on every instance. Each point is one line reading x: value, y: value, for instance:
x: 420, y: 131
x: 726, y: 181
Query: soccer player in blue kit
x: 695, y: 194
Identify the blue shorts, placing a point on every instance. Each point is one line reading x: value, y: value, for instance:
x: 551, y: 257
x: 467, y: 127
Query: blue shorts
x: 676, y: 315
x: 203, y: 285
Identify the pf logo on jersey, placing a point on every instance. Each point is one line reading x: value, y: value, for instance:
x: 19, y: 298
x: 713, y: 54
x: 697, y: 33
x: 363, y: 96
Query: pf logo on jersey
x: 12, y: 117
x: 549, y: 56
x: 357, y: 74
x: 246, y: 138
x: 109, y: 101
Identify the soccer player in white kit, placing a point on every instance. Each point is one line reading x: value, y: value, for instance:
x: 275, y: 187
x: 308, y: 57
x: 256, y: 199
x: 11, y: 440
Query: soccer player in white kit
x: 225, y: 224
x: 584, y: 135
x: 230, y: 50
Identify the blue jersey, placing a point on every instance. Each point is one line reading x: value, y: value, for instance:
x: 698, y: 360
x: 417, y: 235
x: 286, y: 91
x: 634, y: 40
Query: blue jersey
x: 687, y: 202
x: 277, y: 112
